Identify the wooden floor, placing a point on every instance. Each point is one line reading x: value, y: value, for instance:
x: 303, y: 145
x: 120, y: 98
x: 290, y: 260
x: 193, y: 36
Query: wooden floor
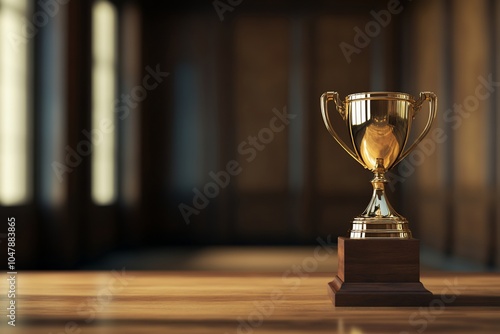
x: 202, y: 302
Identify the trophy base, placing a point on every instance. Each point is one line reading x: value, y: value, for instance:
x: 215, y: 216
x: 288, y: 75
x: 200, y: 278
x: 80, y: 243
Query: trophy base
x: 378, y: 272
x: 374, y: 227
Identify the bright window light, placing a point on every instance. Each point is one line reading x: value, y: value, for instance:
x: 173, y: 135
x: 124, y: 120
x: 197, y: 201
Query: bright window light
x: 104, y: 33
x: 14, y: 134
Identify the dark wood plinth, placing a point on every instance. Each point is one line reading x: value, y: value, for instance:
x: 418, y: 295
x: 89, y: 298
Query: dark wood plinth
x: 378, y: 272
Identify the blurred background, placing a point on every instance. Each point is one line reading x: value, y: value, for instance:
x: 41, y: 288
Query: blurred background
x: 159, y: 135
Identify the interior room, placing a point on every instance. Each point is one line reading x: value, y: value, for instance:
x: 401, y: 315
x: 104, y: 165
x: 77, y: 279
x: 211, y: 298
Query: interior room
x: 183, y: 143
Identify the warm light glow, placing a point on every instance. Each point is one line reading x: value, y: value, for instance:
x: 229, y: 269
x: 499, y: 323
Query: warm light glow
x: 14, y: 134
x: 104, y: 22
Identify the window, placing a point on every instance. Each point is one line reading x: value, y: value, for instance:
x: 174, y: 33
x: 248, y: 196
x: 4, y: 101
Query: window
x: 15, y: 136
x: 104, y: 69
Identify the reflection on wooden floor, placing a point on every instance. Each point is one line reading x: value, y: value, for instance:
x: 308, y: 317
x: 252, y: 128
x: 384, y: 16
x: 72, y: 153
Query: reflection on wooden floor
x: 295, y: 301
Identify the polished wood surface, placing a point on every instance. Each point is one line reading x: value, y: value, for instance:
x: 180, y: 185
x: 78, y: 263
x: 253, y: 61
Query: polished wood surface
x: 295, y: 301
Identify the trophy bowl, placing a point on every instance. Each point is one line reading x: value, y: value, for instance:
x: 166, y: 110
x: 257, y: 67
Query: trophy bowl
x: 379, y: 125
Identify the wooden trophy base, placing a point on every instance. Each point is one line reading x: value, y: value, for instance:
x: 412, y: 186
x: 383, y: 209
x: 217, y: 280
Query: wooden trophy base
x: 378, y: 272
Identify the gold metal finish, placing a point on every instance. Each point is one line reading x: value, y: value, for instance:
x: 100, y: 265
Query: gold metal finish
x: 379, y: 125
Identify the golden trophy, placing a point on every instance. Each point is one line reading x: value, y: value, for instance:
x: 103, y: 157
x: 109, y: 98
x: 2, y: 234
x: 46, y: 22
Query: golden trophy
x: 379, y: 263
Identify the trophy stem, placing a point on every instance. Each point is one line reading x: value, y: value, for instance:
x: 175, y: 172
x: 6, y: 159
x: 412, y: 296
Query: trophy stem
x: 380, y: 220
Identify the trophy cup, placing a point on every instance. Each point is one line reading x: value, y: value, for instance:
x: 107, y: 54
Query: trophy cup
x: 379, y: 263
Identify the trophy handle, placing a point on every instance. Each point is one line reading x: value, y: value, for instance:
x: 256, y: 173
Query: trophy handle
x: 424, y: 96
x: 339, y: 105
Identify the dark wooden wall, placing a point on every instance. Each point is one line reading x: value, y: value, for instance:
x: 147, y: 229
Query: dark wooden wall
x: 454, y: 194
x: 299, y: 184
x: 227, y: 79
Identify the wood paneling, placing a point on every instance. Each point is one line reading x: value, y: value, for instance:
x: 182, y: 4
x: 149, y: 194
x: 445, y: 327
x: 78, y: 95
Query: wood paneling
x: 471, y: 52
x: 261, y: 82
x: 450, y: 194
x: 495, y: 149
x: 241, y: 69
x: 428, y: 181
x: 261, y: 66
